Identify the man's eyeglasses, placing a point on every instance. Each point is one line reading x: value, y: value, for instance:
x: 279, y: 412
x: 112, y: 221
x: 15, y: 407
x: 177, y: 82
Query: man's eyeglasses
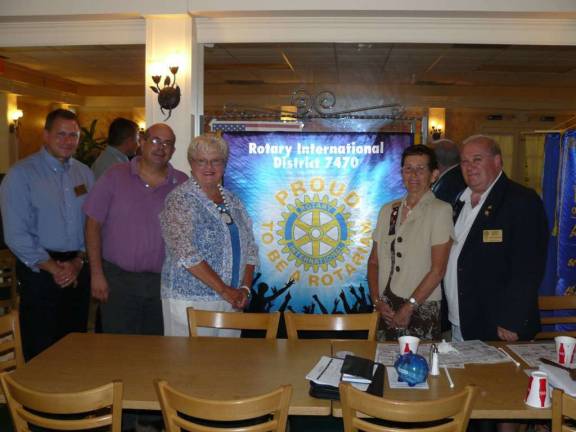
x: 215, y: 163
x: 166, y: 144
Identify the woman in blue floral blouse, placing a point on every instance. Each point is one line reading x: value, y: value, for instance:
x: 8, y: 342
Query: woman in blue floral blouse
x: 210, y: 249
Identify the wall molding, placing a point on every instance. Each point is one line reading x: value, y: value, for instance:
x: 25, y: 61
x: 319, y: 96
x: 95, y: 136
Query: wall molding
x: 487, y: 30
x: 69, y: 33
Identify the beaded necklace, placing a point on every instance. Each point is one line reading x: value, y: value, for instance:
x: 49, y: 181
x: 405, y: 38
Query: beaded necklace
x: 223, y: 209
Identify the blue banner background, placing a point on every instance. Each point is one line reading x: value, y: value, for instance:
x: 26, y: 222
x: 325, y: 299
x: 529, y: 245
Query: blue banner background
x: 550, y: 194
x: 313, y: 214
x: 567, y: 217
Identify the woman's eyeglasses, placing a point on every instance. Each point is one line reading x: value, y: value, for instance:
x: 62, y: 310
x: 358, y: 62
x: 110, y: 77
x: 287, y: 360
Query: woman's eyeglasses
x: 418, y: 170
x: 215, y: 163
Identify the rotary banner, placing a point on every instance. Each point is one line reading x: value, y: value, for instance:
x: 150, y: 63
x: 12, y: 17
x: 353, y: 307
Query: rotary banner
x: 567, y: 217
x: 314, y: 200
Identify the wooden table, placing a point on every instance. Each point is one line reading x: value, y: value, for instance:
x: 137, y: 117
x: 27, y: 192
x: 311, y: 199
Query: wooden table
x: 502, y: 387
x: 216, y: 368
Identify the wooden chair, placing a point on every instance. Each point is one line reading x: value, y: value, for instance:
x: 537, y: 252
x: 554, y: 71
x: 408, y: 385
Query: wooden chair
x: 233, y: 320
x: 88, y: 409
x: 455, y: 409
x: 557, y: 303
x: 11, y: 356
x: 562, y: 406
x: 334, y: 322
x: 8, y: 283
x: 271, y: 408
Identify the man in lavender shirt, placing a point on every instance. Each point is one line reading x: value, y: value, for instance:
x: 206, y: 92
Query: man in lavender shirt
x: 123, y: 238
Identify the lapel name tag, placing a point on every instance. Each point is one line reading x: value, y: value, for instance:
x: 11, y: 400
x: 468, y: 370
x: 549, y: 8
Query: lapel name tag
x: 492, y: 236
x: 80, y: 190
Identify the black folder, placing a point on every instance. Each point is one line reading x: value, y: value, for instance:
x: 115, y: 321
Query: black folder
x: 357, y: 369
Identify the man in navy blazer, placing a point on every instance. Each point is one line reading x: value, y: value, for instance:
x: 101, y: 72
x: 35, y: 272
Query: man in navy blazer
x: 497, y: 260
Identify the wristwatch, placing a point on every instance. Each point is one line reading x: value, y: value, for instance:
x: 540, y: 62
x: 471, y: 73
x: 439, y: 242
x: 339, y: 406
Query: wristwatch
x: 413, y: 302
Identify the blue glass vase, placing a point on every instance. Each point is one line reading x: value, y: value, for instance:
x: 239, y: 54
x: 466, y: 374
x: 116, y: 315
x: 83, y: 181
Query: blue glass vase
x: 411, y: 368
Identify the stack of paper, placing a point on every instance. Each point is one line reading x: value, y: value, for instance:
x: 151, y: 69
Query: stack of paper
x: 326, y: 371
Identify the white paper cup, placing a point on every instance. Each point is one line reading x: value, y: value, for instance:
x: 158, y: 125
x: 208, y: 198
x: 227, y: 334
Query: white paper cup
x: 565, y: 349
x: 538, y: 395
x: 408, y: 343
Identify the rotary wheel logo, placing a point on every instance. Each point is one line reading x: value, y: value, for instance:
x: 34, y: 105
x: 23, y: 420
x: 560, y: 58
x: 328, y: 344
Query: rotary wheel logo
x: 315, y: 233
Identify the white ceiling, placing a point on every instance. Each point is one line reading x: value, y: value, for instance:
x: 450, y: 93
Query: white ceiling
x: 517, y: 77
x: 433, y: 64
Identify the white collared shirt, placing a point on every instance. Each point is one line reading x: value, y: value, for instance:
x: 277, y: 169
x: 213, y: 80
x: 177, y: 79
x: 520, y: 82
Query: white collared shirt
x: 461, y: 229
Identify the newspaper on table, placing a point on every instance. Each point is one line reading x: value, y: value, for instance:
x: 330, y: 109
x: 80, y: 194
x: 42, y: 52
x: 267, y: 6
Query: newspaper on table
x: 467, y: 352
x: 531, y: 353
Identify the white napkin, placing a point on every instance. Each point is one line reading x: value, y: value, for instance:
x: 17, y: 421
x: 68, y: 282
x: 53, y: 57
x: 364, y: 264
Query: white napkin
x: 559, y: 378
x: 445, y: 347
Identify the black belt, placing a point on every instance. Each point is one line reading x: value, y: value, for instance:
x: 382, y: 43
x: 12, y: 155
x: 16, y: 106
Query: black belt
x: 63, y: 256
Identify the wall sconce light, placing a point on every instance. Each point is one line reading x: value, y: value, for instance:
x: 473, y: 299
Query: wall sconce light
x: 436, y: 132
x: 15, y: 118
x: 141, y: 126
x: 288, y: 113
x: 169, y: 94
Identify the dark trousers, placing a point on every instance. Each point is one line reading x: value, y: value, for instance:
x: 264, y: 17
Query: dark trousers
x: 134, y: 305
x: 47, y: 311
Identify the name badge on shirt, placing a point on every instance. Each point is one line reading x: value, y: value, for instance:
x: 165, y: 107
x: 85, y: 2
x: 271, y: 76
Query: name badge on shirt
x: 492, y: 236
x: 80, y: 190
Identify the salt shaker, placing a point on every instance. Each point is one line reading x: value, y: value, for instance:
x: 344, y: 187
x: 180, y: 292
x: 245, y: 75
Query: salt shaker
x: 434, y: 366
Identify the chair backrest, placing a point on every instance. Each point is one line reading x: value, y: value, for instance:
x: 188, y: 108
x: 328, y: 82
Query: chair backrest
x: 455, y: 409
x: 270, y: 409
x: 556, y: 303
x: 87, y: 409
x: 563, y: 405
x: 233, y: 320
x: 11, y: 356
x: 334, y: 322
x: 8, y: 292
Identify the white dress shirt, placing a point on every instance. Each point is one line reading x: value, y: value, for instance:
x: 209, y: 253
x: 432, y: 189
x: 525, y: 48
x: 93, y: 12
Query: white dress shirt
x: 461, y: 229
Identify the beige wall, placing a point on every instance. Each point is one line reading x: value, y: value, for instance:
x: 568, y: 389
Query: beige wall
x: 31, y: 126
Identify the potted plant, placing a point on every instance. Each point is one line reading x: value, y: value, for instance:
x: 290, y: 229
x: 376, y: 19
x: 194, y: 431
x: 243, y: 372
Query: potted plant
x: 89, y: 147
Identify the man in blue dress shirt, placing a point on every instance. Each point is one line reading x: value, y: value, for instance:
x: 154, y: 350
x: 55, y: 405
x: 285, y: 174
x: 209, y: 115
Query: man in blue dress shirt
x: 122, y: 145
x: 41, y: 199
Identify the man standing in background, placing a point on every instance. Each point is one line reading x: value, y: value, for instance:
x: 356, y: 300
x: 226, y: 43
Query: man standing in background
x: 41, y: 199
x: 122, y: 145
x: 450, y: 182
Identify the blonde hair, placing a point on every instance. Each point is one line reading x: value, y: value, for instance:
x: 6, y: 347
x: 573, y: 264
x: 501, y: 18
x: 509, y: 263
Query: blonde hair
x: 207, y: 142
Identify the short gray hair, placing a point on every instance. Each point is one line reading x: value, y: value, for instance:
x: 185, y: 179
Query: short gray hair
x: 207, y: 142
x: 447, y: 152
x: 493, y: 146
